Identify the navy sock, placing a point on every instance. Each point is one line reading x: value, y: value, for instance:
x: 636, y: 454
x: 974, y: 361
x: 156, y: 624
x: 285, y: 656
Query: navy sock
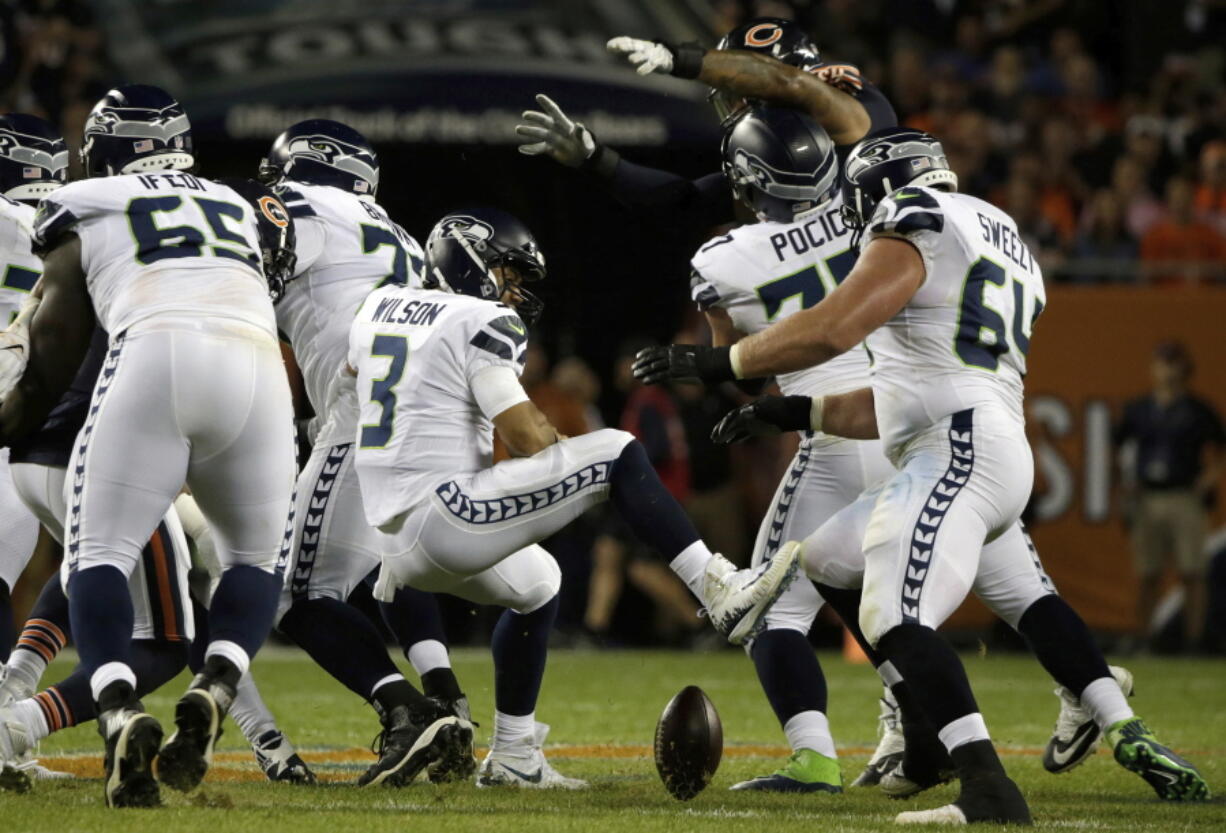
x: 846, y: 603
x: 789, y: 672
x: 243, y: 607
x: 413, y: 616
x: 156, y: 663
x: 52, y: 605
x: 520, y: 646
x: 1062, y: 643
x: 653, y: 515
x: 933, y: 672
x: 100, y: 609
x: 341, y: 640
x: 8, y: 633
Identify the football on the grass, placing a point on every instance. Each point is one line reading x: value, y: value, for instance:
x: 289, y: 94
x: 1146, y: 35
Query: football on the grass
x: 689, y: 743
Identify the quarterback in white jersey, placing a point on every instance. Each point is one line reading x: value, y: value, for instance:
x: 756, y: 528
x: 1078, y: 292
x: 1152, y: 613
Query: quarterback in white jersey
x: 179, y: 271
x: 948, y: 406
x: 438, y: 372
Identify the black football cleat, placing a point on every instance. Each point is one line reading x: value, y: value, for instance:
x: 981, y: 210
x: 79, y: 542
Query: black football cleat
x: 188, y: 754
x: 132, y: 739
x: 991, y: 798
x: 458, y: 762
x: 410, y: 742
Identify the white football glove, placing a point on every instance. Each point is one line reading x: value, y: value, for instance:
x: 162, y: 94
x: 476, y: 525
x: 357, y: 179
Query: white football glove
x: 554, y: 134
x: 15, y: 348
x: 646, y: 56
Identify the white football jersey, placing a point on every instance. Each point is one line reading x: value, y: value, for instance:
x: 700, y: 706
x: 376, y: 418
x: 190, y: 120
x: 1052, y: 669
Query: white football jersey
x: 19, y: 266
x: 165, y: 243
x: 764, y: 272
x: 346, y: 247
x: 962, y: 339
x: 416, y: 352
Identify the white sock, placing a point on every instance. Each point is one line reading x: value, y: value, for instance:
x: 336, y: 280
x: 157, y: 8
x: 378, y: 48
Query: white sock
x: 232, y: 651
x: 1105, y: 702
x: 690, y: 566
x: 109, y: 673
x: 25, y: 669
x: 509, y: 728
x: 964, y: 730
x: 890, y: 676
x: 249, y: 712
x: 30, y: 715
x: 427, y: 655
x: 810, y: 730
x: 390, y: 678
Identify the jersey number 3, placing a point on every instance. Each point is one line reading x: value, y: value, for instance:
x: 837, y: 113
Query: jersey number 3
x: 379, y: 434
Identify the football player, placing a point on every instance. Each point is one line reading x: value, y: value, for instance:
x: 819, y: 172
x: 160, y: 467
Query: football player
x: 436, y: 370
x: 765, y: 59
x: 192, y: 390
x: 33, y: 163
x: 947, y: 295
x: 348, y: 246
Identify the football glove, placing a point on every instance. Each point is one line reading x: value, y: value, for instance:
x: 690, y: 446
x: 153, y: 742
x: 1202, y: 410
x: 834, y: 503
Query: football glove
x: 552, y: 133
x: 764, y: 417
x: 683, y: 362
x: 683, y: 60
x: 15, y: 348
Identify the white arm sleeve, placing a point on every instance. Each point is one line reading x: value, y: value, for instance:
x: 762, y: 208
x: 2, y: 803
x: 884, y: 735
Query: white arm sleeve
x: 496, y: 389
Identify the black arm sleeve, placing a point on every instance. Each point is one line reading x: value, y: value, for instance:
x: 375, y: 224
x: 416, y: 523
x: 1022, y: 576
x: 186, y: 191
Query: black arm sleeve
x: 880, y: 111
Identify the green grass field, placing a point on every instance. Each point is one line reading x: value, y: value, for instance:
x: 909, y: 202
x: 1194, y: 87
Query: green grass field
x: 603, y: 708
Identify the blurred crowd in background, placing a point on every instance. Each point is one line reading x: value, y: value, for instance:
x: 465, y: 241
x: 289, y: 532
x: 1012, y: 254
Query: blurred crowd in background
x: 1099, y: 126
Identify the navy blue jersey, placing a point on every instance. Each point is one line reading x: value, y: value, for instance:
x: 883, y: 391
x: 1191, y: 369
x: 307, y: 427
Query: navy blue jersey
x: 51, y: 444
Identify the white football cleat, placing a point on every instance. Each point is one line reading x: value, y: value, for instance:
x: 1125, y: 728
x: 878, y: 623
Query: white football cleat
x: 890, y: 748
x: 737, y: 600
x: 523, y: 764
x: 1076, y: 735
x: 279, y: 760
x: 36, y: 771
x: 13, y: 743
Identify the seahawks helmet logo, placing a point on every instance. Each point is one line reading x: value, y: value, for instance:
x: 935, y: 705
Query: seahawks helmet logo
x: 752, y: 170
x: 336, y: 154
x: 53, y: 163
x: 476, y: 232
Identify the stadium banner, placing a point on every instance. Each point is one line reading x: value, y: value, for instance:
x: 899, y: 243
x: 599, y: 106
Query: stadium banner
x: 1090, y: 355
x: 445, y: 72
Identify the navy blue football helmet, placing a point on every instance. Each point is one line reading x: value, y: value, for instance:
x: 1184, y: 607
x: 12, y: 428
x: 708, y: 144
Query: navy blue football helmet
x: 276, y: 228
x: 33, y: 158
x: 136, y: 128
x: 323, y: 152
x: 780, y: 163
x: 466, y: 246
x: 885, y: 161
x: 782, y: 39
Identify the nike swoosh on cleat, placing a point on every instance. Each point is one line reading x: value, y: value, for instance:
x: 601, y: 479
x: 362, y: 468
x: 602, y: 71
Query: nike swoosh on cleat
x: 1061, y: 755
x: 534, y: 778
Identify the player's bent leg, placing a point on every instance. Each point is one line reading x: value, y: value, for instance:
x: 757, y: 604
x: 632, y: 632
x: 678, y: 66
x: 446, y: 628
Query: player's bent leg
x: 274, y: 753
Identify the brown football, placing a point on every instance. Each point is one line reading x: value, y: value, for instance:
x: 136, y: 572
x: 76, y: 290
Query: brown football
x: 689, y: 743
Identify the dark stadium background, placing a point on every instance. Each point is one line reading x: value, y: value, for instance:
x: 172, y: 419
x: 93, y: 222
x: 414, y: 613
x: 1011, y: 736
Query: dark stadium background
x: 1036, y: 100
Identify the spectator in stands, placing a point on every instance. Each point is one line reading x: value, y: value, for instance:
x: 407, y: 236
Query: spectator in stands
x: 1141, y: 210
x: 1182, y: 249
x: 1211, y: 188
x: 1177, y: 443
x: 1105, y: 249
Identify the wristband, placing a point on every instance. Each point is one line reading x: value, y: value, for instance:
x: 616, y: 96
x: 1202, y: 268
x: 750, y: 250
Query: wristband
x: 734, y: 360
x: 687, y: 59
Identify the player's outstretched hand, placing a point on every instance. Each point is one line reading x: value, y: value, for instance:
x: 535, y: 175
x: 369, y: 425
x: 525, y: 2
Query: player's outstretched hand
x: 646, y: 56
x: 552, y: 133
x: 763, y: 417
x: 683, y: 362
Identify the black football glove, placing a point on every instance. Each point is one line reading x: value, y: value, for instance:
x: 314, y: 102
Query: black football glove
x: 683, y: 362
x: 763, y: 417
